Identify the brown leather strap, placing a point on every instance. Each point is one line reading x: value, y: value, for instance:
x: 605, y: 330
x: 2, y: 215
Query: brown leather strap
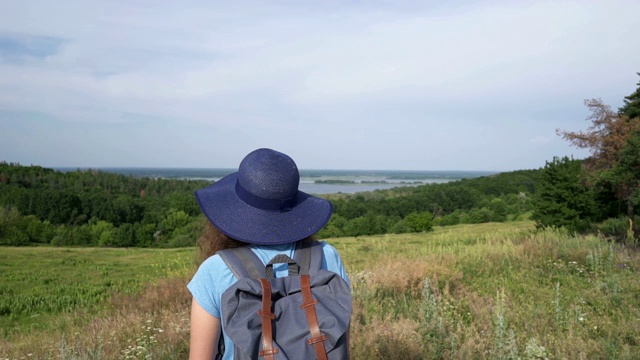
x: 266, y: 315
x: 308, y: 304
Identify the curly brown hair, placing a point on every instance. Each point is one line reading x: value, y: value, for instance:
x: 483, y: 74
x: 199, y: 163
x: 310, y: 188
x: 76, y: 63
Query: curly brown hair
x: 213, y: 240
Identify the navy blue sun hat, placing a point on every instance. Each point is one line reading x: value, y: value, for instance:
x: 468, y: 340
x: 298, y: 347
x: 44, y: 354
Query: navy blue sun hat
x: 261, y: 203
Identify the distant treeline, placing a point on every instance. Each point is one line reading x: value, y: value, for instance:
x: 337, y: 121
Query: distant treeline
x: 500, y: 197
x: 96, y: 208
x: 40, y: 205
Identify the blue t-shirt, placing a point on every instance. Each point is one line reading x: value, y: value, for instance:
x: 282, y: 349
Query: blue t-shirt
x: 214, y: 277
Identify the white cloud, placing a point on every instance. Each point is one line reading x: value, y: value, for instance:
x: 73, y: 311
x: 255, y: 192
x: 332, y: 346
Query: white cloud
x: 373, y: 73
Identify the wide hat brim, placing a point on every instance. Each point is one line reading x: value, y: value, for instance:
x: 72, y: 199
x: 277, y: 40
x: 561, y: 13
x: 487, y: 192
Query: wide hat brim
x: 243, y: 222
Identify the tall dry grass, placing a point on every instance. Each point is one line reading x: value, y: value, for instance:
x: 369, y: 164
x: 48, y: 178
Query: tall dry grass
x: 151, y: 325
x: 498, y: 295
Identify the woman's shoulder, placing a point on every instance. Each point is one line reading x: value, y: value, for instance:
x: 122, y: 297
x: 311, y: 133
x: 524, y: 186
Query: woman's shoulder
x: 327, y: 248
x: 332, y: 261
x: 331, y: 255
x: 213, y: 263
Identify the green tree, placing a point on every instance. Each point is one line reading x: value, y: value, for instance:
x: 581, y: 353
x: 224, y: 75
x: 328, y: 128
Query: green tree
x: 101, y: 232
x: 184, y: 236
x: 499, y: 209
x: 419, y: 222
x: 625, y: 175
x: 482, y: 215
x: 38, y: 231
x: 356, y: 227
x: 124, y: 236
x: 72, y: 235
x: 175, y: 219
x: 631, y: 106
x: 562, y: 199
x: 106, y: 238
x: 10, y: 232
x: 450, y: 219
x: 145, y: 233
x: 334, y: 228
x: 399, y: 227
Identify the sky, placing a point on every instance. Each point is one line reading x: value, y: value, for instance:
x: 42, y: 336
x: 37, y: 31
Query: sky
x: 391, y: 85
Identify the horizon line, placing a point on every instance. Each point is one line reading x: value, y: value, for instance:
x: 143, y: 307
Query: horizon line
x: 235, y: 169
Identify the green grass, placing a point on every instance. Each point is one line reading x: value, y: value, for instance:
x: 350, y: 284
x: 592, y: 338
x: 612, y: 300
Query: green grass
x: 38, y: 283
x: 485, y: 291
x: 365, y: 252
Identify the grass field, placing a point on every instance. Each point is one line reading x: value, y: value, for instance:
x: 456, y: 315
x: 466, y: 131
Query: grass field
x: 487, y: 291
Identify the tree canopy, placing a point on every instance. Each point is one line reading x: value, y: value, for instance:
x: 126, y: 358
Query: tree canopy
x: 614, y: 165
x: 631, y: 106
x: 605, y: 137
x: 95, y: 208
x: 562, y: 199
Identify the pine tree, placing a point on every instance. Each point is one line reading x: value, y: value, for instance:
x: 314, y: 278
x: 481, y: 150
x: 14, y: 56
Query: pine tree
x: 626, y: 176
x: 631, y: 106
x: 562, y: 199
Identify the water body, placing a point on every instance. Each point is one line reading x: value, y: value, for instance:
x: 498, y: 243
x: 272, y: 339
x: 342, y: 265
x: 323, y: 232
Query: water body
x: 313, y: 181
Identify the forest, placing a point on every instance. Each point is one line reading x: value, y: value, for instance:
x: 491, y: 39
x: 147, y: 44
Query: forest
x: 91, y: 208
x: 95, y: 208
x: 598, y: 195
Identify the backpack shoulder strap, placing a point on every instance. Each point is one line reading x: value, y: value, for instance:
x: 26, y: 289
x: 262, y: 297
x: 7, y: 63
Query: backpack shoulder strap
x: 242, y: 262
x: 308, y: 256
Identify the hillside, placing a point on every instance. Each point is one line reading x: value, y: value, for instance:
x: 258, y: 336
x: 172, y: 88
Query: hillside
x: 494, y: 290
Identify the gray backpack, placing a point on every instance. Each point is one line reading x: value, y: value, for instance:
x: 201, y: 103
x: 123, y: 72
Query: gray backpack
x: 304, y: 315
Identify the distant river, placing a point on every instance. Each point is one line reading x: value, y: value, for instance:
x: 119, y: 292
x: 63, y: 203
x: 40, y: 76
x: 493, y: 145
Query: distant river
x: 313, y: 188
x: 314, y: 181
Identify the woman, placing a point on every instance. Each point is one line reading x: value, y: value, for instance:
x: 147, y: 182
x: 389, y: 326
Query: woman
x: 261, y: 207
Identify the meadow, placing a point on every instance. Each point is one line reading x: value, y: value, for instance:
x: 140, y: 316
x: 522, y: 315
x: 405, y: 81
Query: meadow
x: 485, y: 291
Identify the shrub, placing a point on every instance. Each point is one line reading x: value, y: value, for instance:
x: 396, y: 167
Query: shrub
x: 614, y: 227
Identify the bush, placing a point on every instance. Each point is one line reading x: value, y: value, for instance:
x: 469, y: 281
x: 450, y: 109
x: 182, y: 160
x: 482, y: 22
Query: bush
x: 400, y: 227
x: 450, y: 219
x: 616, y: 228
x: 15, y: 237
x: 477, y: 216
x: 419, y: 222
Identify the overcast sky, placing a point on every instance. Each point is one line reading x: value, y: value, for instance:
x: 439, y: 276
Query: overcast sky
x: 424, y: 85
